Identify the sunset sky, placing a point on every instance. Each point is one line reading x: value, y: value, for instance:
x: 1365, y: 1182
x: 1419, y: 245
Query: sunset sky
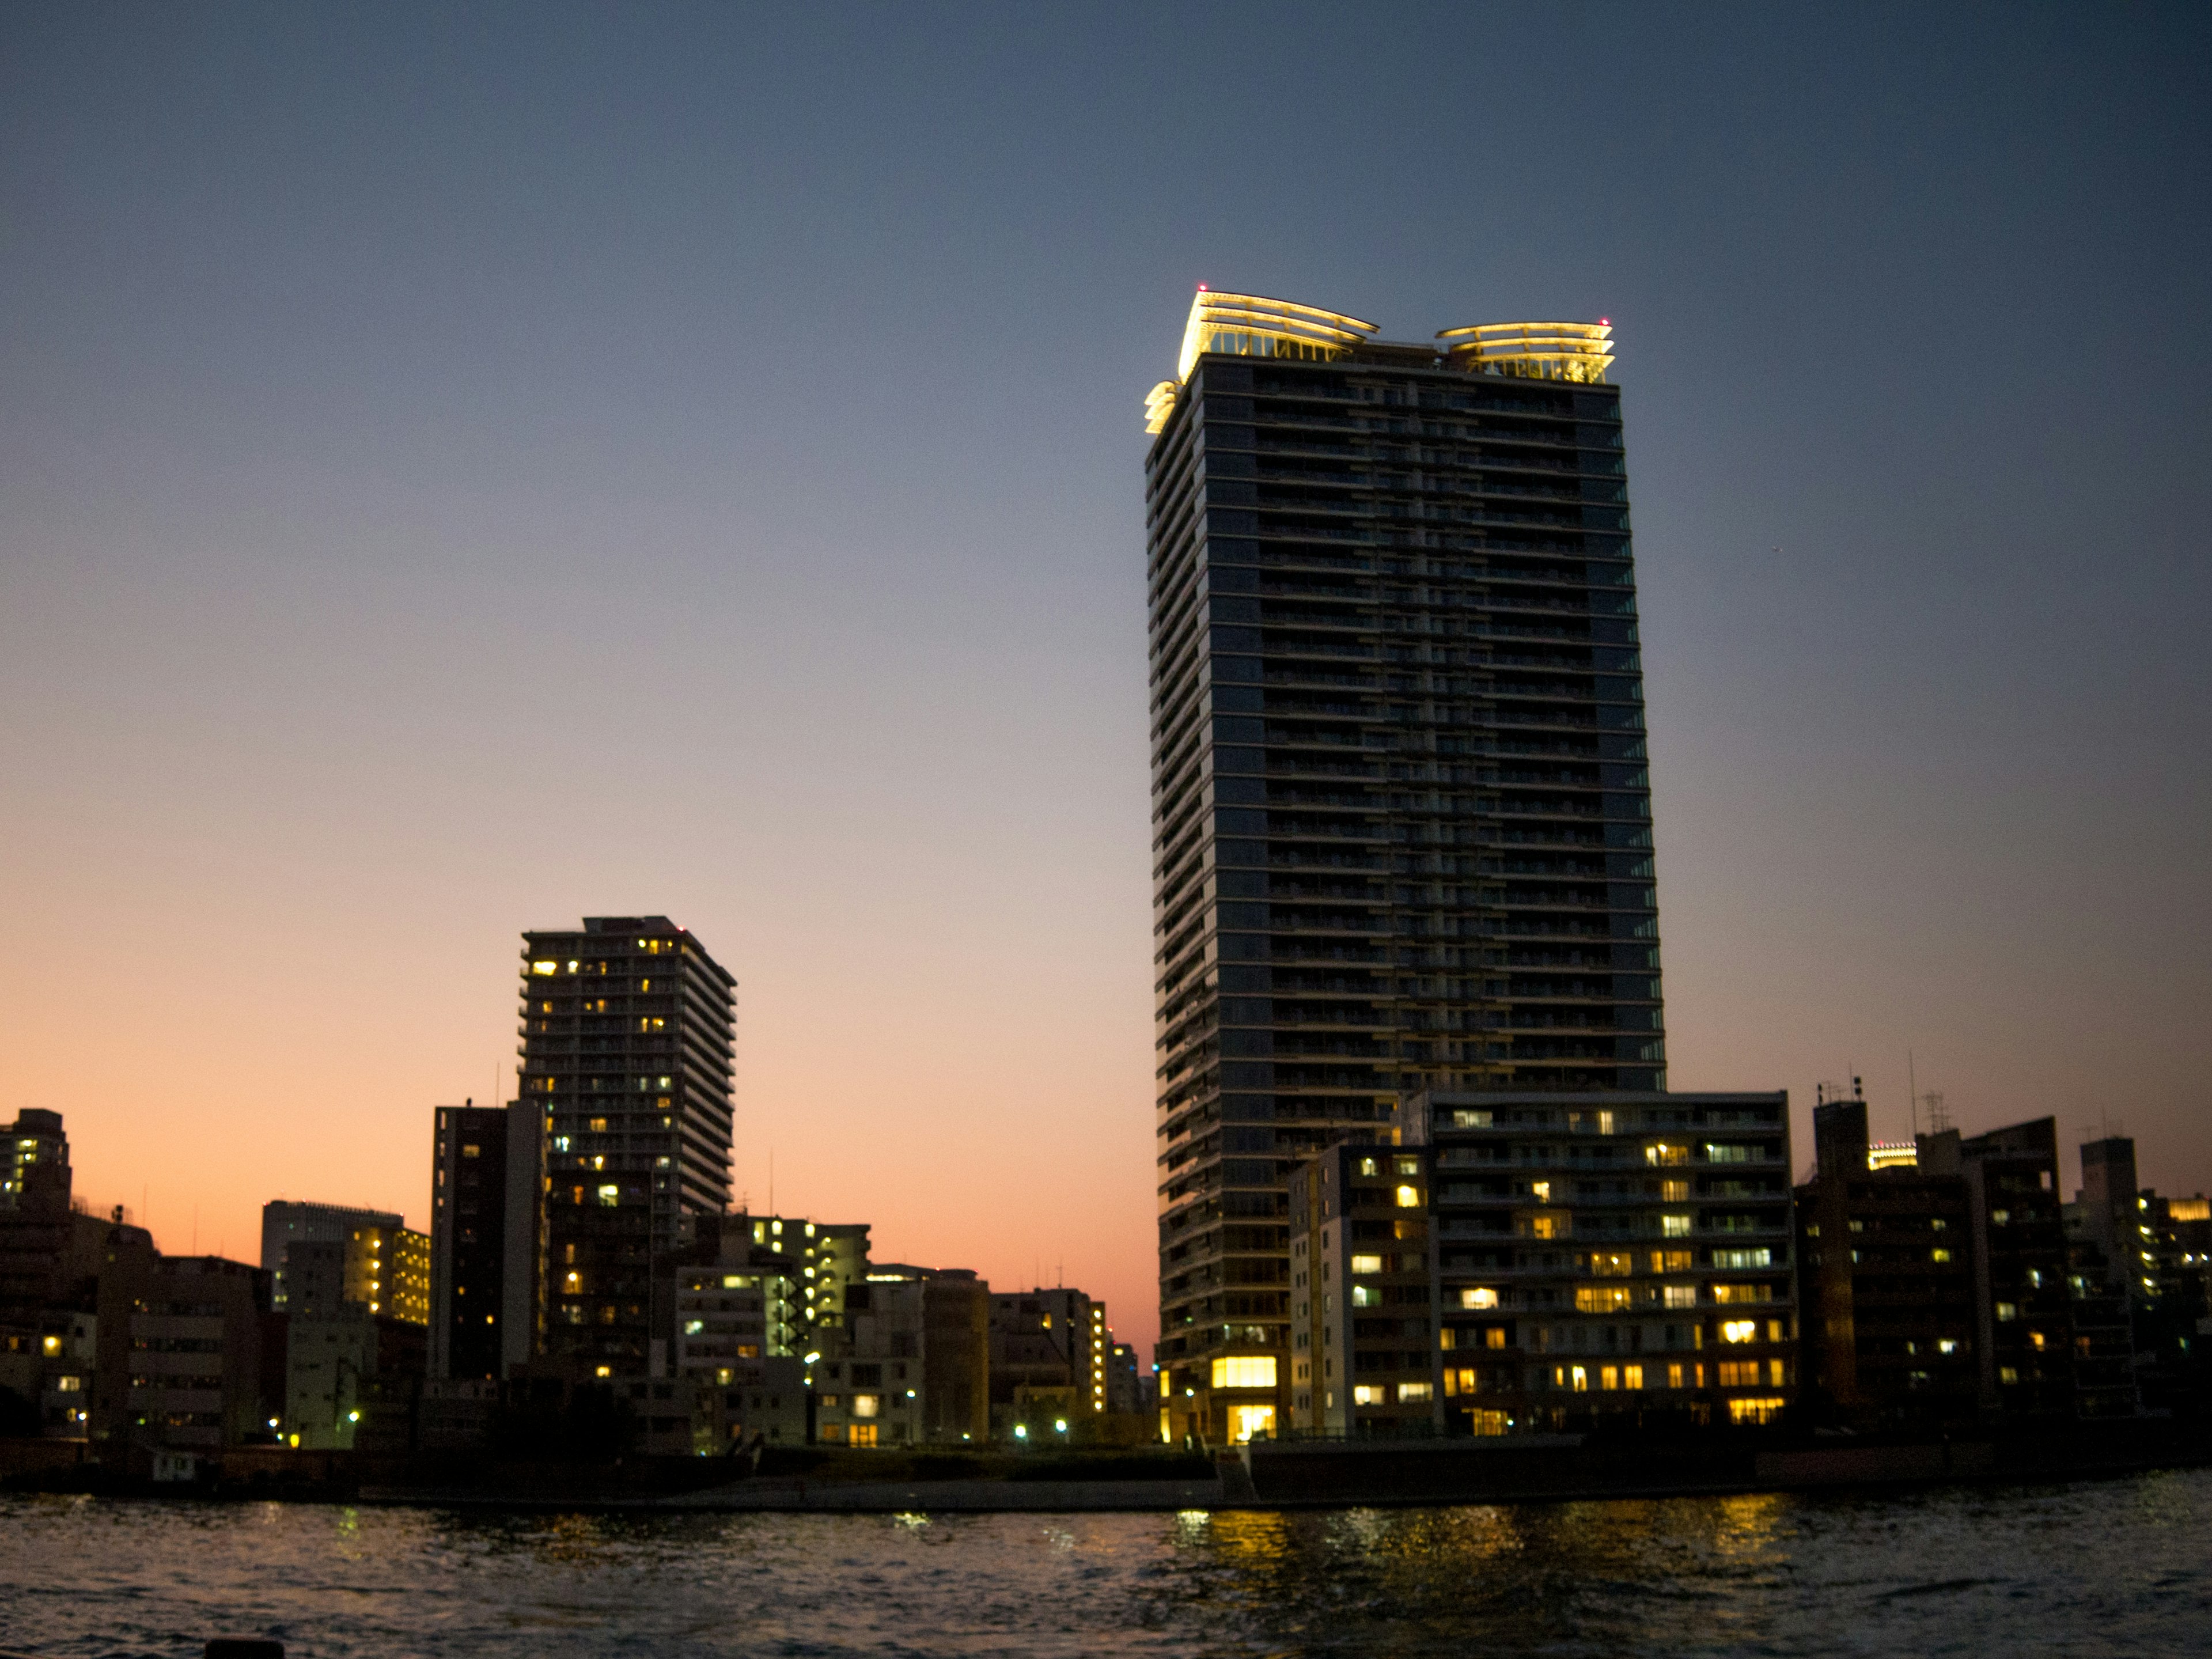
x: 465, y: 469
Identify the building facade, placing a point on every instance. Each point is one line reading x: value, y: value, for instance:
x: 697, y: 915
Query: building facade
x: 1886, y: 1270
x: 627, y: 1032
x: 487, y: 1239
x: 35, y: 1147
x: 1610, y: 1257
x: 1402, y: 831
x: 1362, y: 1301
x: 911, y: 1362
x: 195, y: 1355
x: 381, y: 1263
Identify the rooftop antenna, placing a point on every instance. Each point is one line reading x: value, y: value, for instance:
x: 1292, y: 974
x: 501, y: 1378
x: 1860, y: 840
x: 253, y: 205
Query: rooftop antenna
x: 1912, y: 1093
x: 771, y: 1181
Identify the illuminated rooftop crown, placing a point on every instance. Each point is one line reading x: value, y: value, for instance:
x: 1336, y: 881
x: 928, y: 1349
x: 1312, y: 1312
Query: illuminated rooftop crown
x: 1252, y: 325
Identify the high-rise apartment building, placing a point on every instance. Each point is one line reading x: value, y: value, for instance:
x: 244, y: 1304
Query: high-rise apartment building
x: 1402, y: 818
x: 627, y: 1026
x: 487, y: 1239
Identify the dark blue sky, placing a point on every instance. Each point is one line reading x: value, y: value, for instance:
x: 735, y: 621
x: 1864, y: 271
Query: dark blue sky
x: 460, y: 468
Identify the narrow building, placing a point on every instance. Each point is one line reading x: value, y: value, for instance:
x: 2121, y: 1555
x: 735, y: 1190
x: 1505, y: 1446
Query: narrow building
x: 488, y: 1216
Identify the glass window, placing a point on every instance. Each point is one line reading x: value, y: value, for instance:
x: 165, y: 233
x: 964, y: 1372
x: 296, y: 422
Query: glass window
x: 1245, y: 1371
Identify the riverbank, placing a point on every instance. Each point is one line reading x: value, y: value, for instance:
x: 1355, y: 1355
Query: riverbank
x: 1266, y: 1475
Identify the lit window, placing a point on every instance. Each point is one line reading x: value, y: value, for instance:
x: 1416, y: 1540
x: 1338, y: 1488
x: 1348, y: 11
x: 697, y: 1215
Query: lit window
x: 1675, y: 1226
x: 2007, y: 1375
x: 610, y: 1195
x: 1631, y: 1377
x: 1716, y: 1152
x: 1662, y: 1153
x: 1947, y: 1345
x: 1245, y: 1371
x: 1601, y: 1298
x: 545, y: 967
x: 1366, y: 1296
x: 1413, y: 1393
x: 1938, y: 1255
x: 1409, y: 1198
x: 1467, y: 1119
x: 1754, y: 1411
x: 1480, y: 1297
x: 1368, y: 1167
x: 695, y: 1328
x: 1680, y: 1296
x: 2007, y: 1311
x: 1367, y: 1264
x: 1369, y: 1393
x: 864, y: 1404
x: 1409, y: 1166
x: 1739, y: 1330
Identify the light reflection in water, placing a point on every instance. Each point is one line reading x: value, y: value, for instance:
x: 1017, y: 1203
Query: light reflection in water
x: 2118, y: 1565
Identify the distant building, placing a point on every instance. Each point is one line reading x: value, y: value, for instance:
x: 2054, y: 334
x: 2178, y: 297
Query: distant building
x: 69, y: 1282
x: 35, y: 1148
x: 488, y: 1292
x: 826, y: 1257
x: 351, y: 1380
x: 1885, y: 1268
x: 195, y: 1359
x: 910, y: 1365
x: 1947, y: 1281
x: 384, y: 1265
x: 2157, y: 1257
x: 740, y: 1305
x: 1124, y: 1391
x: 627, y: 1030
x: 1048, y: 1342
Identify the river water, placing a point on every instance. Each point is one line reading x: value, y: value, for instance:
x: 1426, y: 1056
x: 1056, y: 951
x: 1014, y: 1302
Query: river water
x: 2110, y: 1567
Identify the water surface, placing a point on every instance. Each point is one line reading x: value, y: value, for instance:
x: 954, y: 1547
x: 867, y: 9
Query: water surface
x: 2121, y: 1566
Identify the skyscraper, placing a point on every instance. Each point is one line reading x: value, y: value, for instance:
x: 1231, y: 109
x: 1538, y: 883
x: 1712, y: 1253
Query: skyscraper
x: 1401, y: 822
x: 627, y: 1030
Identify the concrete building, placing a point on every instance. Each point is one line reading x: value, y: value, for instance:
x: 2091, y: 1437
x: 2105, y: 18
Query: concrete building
x: 826, y: 1256
x: 195, y: 1355
x: 1886, y: 1272
x: 910, y: 1365
x: 739, y: 1307
x: 1053, y: 1343
x: 1124, y: 1395
x: 1610, y: 1258
x: 1401, y: 821
x: 627, y: 1031
x: 68, y: 1283
x: 487, y: 1292
x: 1363, y: 1339
x: 35, y: 1147
x: 383, y: 1264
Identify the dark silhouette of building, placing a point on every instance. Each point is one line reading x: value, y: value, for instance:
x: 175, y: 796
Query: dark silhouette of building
x: 626, y: 1045
x: 487, y: 1220
x: 69, y: 1284
x: 1402, y: 823
x: 1886, y: 1266
x: 1887, y: 1334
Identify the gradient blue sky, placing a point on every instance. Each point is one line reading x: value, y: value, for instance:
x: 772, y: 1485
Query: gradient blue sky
x: 464, y: 468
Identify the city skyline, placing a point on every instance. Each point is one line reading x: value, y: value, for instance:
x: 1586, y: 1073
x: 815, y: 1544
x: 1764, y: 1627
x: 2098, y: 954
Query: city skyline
x: 371, y: 468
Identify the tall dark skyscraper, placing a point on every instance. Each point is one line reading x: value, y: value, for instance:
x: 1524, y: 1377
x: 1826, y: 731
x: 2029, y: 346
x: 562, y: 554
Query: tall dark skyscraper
x: 1401, y: 809
x: 627, y: 1028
